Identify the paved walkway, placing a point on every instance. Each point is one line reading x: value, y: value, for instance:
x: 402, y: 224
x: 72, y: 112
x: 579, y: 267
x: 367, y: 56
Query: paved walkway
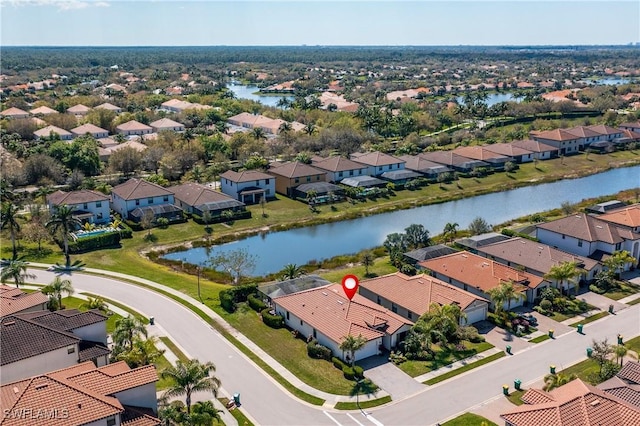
x: 389, y: 377
x: 456, y: 365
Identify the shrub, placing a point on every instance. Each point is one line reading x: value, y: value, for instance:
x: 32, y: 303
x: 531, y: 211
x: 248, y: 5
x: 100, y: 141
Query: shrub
x: 358, y: 372
x: 316, y: 350
x: 337, y: 363
x: 272, y: 320
x: 231, y: 296
x: 125, y: 230
x: 348, y: 373
x: 256, y: 303
x: 94, y: 242
x: 226, y: 301
x: 162, y: 222
x: 596, y: 289
x: 540, y: 310
x: 546, y: 305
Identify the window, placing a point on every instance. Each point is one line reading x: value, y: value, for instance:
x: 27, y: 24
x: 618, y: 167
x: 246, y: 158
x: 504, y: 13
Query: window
x: 308, y: 178
x: 563, y: 237
x: 257, y: 183
x: 297, y: 180
x: 579, y: 243
x: 71, y: 349
x: 394, y: 308
x: 150, y: 200
x: 137, y: 202
x: 314, y: 333
x: 287, y: 315
x: 85, y: 206
x: 378, y: 300
x: 165, y: 198
x: 380, y: 168
x: 266, y: 181
x: 111, y: 421
x: 268, y: 191
x: 410, y: 315
x: 98, y: 203
x: 339, y: 174
x: 618, y: 246
x: 301, y: 323
x: 350, y: 172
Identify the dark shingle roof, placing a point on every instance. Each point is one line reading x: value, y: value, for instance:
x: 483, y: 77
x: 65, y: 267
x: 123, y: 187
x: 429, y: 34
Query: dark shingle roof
x: 137, y: 188
x: 76, y: 197
x: 65, y: 320
x: 91, y: 350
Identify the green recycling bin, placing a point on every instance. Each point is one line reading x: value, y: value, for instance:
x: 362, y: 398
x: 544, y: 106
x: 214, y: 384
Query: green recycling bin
x: 552, y: 369
x: 517, y: 383
x: 620, y: 339
x: 589, y: 352
x: 236, y: 398
x: 152, y: 320
x: 505, y: 389
x: 509, y: 349
x: 580, y: 328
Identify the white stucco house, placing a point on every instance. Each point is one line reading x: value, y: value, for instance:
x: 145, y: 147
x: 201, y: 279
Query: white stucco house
x: 249, y: 186
x: 378, y: 162
x: 88, y: 205
x: 140, y: 195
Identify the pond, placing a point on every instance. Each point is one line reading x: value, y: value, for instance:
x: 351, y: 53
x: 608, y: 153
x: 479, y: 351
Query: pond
x: 250, y: 92
x: 274, y: 250
x: 494, y: 98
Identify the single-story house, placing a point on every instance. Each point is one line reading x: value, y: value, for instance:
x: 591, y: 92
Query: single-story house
x: 326, y: 314
x: 133, y: 128
x: 47, y: 132
x: 249, y: 186
x: 14, y: 112
x: 88, y: 205
x: 136, y: 194
x: 15, y: 301
x: 378, y: 162
x: 84, y: 394
x: 42, y: 110
x: 540, y: 150
x: 538, y: 259
x: 290, y: 175
x: 411, y: 297
x: 453, y: 161
x: 518, y: 154
x: 429, y: 169
x: 166, y: 124
x: 78, y: 110
x: 176, y: 105
x: 196, y: 198
x: 338, y: 168
x: 478, y: 275
x: 494, y: 160
x: 110, y: 107
x: 92, y: 129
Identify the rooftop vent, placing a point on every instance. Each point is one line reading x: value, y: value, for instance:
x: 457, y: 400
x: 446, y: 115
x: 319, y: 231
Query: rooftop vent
x: 464, y: 255
x: 325, y: 293
x: 599, y: 226
x: 42, y: 386
x: 341, y: 302
x: 595, y: 402
x: 9, y: 323
x: 15, y: 389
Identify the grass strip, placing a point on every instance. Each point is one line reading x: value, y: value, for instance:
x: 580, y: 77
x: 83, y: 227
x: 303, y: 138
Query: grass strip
x: 634, y: 302
x: 461, y: 370
x: 469, y: 419
x: 539, y: 339
x: 514, y: 397
x: 237, y: 414
x: 363, y: 404
x: 130, y: 311
x: 592, y: 318
x: 173, y: 348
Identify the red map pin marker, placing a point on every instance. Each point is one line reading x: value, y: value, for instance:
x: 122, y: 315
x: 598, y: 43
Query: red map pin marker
x: 350, y: 285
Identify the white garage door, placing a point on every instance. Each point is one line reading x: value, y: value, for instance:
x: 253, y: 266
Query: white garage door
x: 476, y: 315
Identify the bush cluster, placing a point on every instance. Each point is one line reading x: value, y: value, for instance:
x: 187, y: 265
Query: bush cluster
x: 256, y: 303
x: 231, y: 296
x: 318, y: 351
x: 94, y: 242
x: 273, y: 321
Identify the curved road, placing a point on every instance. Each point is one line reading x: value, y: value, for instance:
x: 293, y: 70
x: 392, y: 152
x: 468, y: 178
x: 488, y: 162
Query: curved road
x: 269, y: 404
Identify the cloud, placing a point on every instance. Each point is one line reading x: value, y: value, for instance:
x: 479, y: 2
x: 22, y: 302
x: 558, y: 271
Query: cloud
x: 60, y: 4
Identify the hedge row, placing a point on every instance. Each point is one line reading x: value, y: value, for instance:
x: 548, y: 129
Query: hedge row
x: 316, y: 350
x: 350, y: 373
x: 246, y: 214
x: 231, y: 296
x: 511, y: 233
x: 273, y: 321
x: 94, y: 242
x: 256, y: 303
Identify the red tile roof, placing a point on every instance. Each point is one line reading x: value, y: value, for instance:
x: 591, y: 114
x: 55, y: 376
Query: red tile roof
x: 338, y: 164
x: 628, y: 216
x: 88, y: 128
x: 507, y: 149
x: 133, y: 125
x: 13, y: 300
x: 417, y: 293
x: 329, y: 311
x: 245, y: 176
x: 377, y: 159
x: 45, y: 132
x: 478, y: 153
x: 556, y: 135
x: 534, y: 146
x: 479, y: 272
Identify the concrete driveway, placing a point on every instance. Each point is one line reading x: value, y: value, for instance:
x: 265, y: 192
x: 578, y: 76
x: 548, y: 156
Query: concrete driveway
x: 545, y: 323
x: 601, y: 302
x: 501, y: 338
x: 390, y: 378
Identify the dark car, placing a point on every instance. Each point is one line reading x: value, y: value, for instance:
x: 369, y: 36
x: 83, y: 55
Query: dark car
x: 530, y: 318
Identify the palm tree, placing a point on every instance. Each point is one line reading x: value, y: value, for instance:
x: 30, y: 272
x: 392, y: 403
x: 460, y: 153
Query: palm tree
x: 450, y: 231
x: 127, y: 329
x: 310, y: 129
x: 509, y: 292
x: 96, y: 303
x: 352, y: 344
x: 285, y: 127
x: 63, y: 221
x: 9, y: 220
x: 258, y: 133
x: 16, y: 270
x: 621, y: 351
x: 143, y: 352
x: 442, y: 321
x: 498, y: 298
x: 618, y: 260
x: 564, y: 271
x: 56, y: 288
x: 552, y: 381
x: 291, y: 271
x: 188, y: 377
x: 204, y: 413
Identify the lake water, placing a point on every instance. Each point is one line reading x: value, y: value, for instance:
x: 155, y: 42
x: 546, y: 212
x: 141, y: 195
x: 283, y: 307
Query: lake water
x: 494, y: 98
x: 299, y: 246
x: 248, y: 92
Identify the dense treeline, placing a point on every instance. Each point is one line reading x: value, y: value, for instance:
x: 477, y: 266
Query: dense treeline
x: 23, y: 58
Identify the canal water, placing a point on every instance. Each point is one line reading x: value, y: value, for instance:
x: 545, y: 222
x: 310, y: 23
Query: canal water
x: 299, y: 246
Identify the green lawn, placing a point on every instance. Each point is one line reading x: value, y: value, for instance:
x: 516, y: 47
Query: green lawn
x: 363, y: 404
x: 75, y: 303
x: 514, y: 397
x: 634, y: 302
x: 443, y: 357
x: 162, y: 363
x: 633, y: 344
x: 583, y: 370
x: 469, y: 419
x: 624, y: 289
x: 290, y: 352
x: 173, y: 348
x: 592, y: 318
x: 540, y: 339
x: 380, y: 267
x: 467, y: 367
x: 237, y: 414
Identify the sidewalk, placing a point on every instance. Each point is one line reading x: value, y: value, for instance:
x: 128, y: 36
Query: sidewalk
x: 331, y: 399
x: 447, y: 368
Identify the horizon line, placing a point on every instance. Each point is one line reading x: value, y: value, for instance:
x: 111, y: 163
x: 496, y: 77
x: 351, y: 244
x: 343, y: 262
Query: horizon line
x: 630, y: 44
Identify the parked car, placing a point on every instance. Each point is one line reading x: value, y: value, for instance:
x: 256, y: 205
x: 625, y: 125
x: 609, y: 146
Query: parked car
x: 530, y: 318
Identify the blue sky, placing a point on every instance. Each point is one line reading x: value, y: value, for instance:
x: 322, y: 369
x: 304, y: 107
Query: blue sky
x: 342, y: 22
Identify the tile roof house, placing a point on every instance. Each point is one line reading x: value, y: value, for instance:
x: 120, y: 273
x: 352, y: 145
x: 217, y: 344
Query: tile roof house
x: 429, y: 169
x: 519, y: 155
x: 625, y: 384
x: 139, y: 196
x: 326, y: 314
x: 83, y: 395
x: 453, y: 161
x: 133, y: 127
x: 109, y: 107
x: 411, y: 297
x: 537, y: 258
x: 540, y: 150
x: 607, y: 133
x: 14, y: 112
x: 88, y: 205
x: 92, y: 129
x: 633, y: 126
x: 176, y: 105
x: 478, y: 275
x: 249, y: 186
x: 289, y: 175
x: 379, y: 162
x: 15, y: 301
x: 628, y: 217
x: 575, y: 403
x: 587, y: 135
x: 42, y: 341
x: 338, y: 168
x: 481, y: 153
x: 43, y: 110
x: 196, y: 198
x: 78, y: 110
x: 47, y: 132
x: 566, y: 142
x: 587, y: 235
x: 166, y: 124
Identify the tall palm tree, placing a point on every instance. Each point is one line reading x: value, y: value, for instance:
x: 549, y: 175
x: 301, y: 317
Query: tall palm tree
x: 95, y: 303
x: 552, y: 381
x: 143, y: 352
x: 16, y: 270
x: 510, y: 293
x: 64, y: 222
x: 352, y: 345
x: 258, y: 133
x: 291, y: 271
x: 56, y: 288
x: 498, y: 299
x: 9, y: 220
x: 127, y: 329
x: 188, y: 377
x: 564, y: 271
x: 442, y: 321
x: 450, y: 230
x: 204, y: 413
x: 618, y: 260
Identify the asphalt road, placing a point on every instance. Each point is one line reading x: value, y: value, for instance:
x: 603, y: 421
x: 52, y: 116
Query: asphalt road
x: 269, y: 404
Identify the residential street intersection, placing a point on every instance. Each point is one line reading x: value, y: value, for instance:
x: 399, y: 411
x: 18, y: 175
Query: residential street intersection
x: 267, y: 403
